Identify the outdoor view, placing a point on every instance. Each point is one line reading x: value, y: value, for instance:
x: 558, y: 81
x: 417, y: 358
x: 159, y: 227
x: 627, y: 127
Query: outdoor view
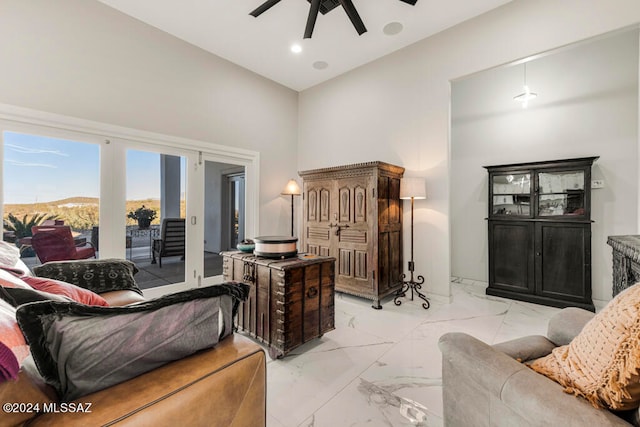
x: 55, y: 182
x: 47, y: 178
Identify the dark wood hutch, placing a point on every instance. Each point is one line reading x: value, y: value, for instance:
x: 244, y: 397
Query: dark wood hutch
x: 540, y: 232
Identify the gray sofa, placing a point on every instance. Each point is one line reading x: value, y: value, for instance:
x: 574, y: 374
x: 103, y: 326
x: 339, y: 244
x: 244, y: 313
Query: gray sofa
x: 486, y: 385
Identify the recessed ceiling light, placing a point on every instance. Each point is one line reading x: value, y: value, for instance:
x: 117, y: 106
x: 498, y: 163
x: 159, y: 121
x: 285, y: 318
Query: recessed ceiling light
x: 320, y: 65
x: 393, y: 28
x: 296, y: 48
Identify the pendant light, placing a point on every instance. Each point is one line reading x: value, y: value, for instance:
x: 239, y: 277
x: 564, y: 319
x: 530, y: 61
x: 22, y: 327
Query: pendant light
x: 526, y: 95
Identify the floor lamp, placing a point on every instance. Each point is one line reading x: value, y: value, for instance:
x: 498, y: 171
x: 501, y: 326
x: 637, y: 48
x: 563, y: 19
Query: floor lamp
x: 291, y: 189
x: 412, y: 188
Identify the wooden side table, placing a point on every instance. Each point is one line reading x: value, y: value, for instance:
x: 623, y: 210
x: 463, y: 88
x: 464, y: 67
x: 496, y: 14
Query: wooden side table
x: 291, y: 301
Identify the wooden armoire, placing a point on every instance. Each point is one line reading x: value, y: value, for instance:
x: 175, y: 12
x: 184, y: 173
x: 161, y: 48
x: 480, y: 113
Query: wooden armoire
x: 353, y: 213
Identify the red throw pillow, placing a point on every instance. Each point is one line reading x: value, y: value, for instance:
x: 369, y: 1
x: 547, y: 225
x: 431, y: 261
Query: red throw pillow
x: 9, y: 366
x: 10, y: 333
x: 76, y: 293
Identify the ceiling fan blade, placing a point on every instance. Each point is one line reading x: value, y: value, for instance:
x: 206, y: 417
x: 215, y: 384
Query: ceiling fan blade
x: 264, y: 7
x: 411, y: 2
x: 348, y: 7
x: 311, y: 20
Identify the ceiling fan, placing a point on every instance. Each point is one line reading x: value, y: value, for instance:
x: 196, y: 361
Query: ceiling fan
x: 324, y: 6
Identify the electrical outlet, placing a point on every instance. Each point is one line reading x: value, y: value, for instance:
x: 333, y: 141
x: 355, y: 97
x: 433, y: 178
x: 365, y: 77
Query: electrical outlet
x: 597, y: 183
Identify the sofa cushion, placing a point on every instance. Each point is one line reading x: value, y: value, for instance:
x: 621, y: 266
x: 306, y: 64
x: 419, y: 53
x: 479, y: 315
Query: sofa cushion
x: 601, y: 363
x: 76, y: 293
x: 566, y: 324
x: 97, y: 275
x: 80, y: 349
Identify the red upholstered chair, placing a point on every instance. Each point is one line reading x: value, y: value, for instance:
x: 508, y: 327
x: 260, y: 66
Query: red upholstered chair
x: 56, y: 243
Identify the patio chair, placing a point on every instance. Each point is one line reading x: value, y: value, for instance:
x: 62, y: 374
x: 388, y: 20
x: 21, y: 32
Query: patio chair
x: 56, y: 243
x: 171, y: 241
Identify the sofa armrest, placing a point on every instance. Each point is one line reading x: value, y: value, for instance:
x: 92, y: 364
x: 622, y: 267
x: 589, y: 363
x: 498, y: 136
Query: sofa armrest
x: 483, y: 386
x: 223, y: 386
x: 526, y: 348
x: 565, y: 325
x: 482, y: 364
x: 121, y: 298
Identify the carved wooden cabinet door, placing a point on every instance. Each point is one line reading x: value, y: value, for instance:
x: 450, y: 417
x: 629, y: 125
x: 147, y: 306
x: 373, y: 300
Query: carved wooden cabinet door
x: 351, y: 234
x: 317, y: 222
x: 352, y: 213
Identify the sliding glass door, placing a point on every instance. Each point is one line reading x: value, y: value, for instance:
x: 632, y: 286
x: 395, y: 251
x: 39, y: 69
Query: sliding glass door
x: 119, y: 194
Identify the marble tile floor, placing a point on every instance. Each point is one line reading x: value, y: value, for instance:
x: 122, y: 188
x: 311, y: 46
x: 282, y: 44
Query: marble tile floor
x: 383, y: 367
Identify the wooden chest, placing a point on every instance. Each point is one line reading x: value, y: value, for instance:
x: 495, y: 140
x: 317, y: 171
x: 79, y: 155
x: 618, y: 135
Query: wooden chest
x: 291, y: 301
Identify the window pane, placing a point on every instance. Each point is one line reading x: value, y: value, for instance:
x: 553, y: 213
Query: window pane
x: 156, y: 206
x: 223, y: 213
x: 51, y: 181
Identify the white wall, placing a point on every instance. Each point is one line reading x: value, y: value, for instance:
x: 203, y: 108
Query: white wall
x: 396, y: 109
x: 83, y: 59
x: 587, y: 106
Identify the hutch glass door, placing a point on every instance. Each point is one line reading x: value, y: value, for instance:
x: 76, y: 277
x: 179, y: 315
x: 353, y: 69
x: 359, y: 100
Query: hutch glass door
x: 512, y: 194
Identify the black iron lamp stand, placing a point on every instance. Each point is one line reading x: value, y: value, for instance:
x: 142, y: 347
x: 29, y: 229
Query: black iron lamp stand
x: 411, y: 283
x: 292, y: 214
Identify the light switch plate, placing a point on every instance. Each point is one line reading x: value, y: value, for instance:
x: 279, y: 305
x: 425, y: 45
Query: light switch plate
x: 597, y: 183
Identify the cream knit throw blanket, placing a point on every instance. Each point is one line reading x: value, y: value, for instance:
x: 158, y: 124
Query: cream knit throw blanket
x: 601, y: 363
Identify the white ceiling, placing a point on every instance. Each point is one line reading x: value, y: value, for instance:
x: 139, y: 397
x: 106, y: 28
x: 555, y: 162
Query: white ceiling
x: 225, y: 28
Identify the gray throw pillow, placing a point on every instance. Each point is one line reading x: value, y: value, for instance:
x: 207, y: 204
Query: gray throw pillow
x: 97, y: 275
x: 80, y: 349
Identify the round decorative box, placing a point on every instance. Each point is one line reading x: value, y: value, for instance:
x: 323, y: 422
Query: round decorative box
x: 275, y: 246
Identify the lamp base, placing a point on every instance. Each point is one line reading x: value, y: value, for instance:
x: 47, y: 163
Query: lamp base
x: 415, y: 288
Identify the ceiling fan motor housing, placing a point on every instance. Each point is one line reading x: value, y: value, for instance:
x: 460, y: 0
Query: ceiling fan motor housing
x: 324, y: 7
x: 327, y: 5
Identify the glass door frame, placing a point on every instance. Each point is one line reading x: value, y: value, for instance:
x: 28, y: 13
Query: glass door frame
x: 229, y: 194
x: 114, y: 141
x: 119, y: 148
x: 251, y: 198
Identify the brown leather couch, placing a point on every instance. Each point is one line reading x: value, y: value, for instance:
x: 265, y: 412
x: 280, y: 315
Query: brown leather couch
x: 224, y: 386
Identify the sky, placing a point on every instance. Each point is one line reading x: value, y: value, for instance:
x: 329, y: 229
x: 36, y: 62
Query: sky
x: 42, y: 169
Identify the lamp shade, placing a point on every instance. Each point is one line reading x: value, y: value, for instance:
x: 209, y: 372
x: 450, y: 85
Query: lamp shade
x: 413, y: 187
x: 292, y: 188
